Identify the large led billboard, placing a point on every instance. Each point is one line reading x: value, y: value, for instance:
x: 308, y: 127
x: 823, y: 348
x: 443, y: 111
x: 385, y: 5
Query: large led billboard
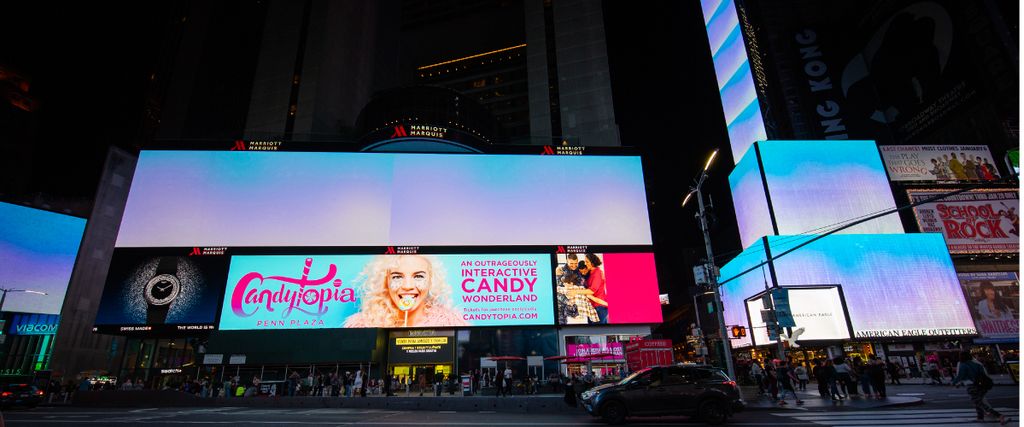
x: 732, y: 70
x: 296, y: 239
x: 387, y: 291
x: 249, y: 198
x: 810, y: 187
x: 37, y: 253
x: 895, y: 285
x: 939, y: 163
x: 977, y: 221
x: 753, y: 216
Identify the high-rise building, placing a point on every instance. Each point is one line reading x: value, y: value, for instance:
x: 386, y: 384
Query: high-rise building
x: 304, y: 70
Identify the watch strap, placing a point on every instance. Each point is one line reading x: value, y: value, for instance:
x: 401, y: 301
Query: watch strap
x: 167, y: 265
x: 157, y: 314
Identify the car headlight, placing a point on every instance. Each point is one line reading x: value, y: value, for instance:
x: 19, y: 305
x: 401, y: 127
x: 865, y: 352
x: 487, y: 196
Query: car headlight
x: 587, y: 394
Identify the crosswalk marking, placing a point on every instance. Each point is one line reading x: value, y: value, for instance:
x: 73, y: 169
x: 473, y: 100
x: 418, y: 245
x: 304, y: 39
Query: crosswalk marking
x: 900, y: 411
x: 919, y: 417
x: 342, y: 411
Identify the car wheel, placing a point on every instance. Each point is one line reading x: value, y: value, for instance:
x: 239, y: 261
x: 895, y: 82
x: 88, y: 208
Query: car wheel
x: 614, y: 412
x: 712, y: 412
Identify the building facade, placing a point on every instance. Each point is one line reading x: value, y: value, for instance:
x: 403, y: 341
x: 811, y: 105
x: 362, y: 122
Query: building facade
x: 927, y: 83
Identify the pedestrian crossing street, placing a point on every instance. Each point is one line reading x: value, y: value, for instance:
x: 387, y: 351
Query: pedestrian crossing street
x: 901, y: 417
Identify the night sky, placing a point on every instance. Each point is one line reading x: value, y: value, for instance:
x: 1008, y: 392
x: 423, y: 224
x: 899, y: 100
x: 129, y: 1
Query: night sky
x: 88, y: 66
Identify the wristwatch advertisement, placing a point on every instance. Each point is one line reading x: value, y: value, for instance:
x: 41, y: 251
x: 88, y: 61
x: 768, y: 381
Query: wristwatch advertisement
x: 162, y: 290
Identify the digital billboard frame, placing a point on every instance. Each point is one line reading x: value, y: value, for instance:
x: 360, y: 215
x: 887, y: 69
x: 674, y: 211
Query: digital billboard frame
x: 842, y: 302
x: 39, y: 250
x: 224, y: 254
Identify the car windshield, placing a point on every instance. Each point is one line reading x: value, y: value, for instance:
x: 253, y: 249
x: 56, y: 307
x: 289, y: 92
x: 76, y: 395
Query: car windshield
x: 633, y: 375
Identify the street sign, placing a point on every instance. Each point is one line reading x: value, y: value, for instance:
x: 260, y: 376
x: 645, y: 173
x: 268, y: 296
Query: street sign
x: 700, y: 275
x: 783, y: 314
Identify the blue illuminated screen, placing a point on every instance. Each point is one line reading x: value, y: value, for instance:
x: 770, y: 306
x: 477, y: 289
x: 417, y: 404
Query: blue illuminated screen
x: 735, y: 81
x: 814, y: 186
x: 750, y: 200
x: 37, y: 253
x: 896, y: 285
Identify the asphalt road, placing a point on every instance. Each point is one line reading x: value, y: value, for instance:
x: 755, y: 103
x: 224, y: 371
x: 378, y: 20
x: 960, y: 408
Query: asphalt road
x: 944, y: 406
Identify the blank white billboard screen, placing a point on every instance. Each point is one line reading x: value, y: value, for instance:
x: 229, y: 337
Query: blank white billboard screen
x: 818, y: 310
x: 244, y: 198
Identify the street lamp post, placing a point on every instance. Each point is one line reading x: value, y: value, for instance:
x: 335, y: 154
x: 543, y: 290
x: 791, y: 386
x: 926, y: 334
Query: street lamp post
x: 698, y: 332
x: 3, y: 295
x: 710, y: 264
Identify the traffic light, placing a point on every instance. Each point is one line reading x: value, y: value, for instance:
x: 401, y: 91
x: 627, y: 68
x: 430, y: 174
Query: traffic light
x: 739, y: 331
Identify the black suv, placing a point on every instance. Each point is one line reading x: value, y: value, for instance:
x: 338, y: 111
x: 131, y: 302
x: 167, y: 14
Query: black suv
x: 19, y: 395
x: 692, y: 390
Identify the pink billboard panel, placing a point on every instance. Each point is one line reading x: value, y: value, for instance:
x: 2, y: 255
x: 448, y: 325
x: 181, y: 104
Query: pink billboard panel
x: 607, y: 288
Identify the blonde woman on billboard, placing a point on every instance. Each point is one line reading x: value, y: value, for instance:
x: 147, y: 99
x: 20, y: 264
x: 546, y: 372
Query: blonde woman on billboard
x: 400, y: 291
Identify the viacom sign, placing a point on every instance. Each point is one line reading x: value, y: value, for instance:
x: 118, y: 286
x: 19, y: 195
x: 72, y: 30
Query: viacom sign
x: 34, y: 324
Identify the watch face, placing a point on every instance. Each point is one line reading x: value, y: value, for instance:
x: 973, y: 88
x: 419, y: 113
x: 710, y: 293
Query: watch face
x: 162, y: 289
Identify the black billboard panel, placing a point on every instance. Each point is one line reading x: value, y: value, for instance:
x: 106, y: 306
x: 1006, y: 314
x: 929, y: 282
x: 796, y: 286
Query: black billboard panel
x: 165, y: 290
x: 424, y: 346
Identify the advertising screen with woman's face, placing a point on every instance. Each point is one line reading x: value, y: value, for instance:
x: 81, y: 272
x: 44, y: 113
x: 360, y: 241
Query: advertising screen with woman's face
x: 993, y: 299
x: 387, y: 291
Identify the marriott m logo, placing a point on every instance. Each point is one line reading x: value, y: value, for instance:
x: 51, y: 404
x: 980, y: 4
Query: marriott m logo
x: 401, y: 250
x: 239, y: 145
x: 399, y: 132
x: 548, y: 151
x: 195, y: 252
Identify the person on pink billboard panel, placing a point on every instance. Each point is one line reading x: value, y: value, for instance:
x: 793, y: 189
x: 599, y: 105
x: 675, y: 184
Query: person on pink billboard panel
x: 596, y: 290
x: 399, y: 291
x: 573, y: 305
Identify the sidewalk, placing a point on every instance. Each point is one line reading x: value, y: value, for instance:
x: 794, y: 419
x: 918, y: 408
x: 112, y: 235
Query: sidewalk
x: 814, y: 402
x: 543, y: 403
x: 997, y: 379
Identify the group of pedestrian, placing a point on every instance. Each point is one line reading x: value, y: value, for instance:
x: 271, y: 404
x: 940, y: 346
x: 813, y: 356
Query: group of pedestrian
x: 838, y: 379
x: 778, y: 379
x: 334, y: 384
